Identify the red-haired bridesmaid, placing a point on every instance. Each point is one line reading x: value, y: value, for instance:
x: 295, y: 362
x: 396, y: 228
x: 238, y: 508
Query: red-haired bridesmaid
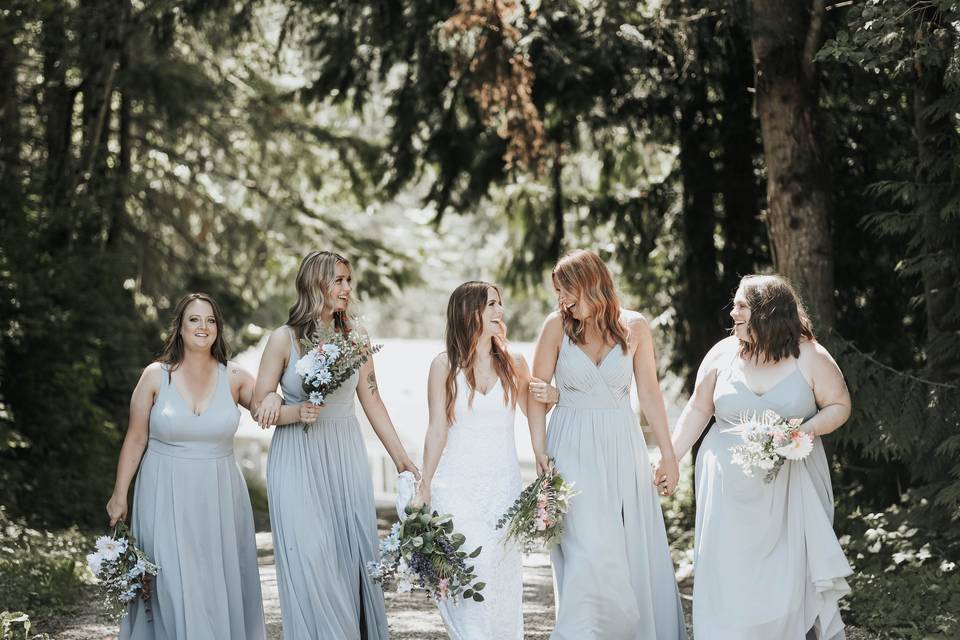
x: 613, y: 572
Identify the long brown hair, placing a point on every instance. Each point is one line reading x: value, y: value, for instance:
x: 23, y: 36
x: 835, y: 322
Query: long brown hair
x: 778, y: 321
x: 317, y: 272
x: 464, y: 328
x: 173, y: 349
x: 585, y: 275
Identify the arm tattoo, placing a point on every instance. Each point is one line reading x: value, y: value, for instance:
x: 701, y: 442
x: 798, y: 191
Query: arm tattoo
x: 372, y: 382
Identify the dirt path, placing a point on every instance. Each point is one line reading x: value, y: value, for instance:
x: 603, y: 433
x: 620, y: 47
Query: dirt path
x: 411, y: 616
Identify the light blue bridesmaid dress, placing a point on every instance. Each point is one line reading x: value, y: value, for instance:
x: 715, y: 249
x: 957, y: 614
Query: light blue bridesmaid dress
x: 324, y: 520
x: 192, y: 516
x: 614, y: 577
x: 766, y: 559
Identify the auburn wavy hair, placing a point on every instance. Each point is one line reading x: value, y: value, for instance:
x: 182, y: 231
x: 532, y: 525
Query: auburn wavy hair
x: 316, y: 275
x: 173, y: 349
x: 778, y: 321
x: 585, y: 275
x: 464, y: 328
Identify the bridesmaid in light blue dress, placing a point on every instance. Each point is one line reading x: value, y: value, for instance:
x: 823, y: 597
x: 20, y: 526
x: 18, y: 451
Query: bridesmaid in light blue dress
x: 613, y: 574
x: 766, y: 559
x: 191, y: 510
x: 321, y: 497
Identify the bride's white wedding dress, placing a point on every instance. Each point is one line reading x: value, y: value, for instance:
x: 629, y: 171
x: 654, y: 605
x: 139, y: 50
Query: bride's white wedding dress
x: 476, y: 481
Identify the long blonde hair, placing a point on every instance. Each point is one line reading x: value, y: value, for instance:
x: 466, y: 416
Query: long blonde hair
x: 464, y: 328
x: 585, y: 275
x: 316, y: 275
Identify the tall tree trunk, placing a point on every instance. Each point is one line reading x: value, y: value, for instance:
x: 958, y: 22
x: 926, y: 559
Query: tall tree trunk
x: 739, y: 147
x: 57, y: 107
x: 701, y: 297
x: 99, y: 58
x: 785, y: 37
x: 121, y: 175
x: 11, y: 22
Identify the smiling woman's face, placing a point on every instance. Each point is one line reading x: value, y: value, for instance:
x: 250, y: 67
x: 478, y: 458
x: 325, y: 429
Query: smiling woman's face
x: 199, y: 327
x: 570, y: 304
x: 492, y: 314
x: 740, y: 313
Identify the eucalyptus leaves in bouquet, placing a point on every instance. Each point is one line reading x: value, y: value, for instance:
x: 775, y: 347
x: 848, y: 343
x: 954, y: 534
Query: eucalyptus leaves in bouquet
x: 422, y: 551
x: 536, y: 517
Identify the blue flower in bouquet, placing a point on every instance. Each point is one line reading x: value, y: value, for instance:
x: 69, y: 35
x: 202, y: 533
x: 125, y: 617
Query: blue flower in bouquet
x: 392, y: 542
x: 137, y: 570
x: 311, y: 361
x: 330, y: 359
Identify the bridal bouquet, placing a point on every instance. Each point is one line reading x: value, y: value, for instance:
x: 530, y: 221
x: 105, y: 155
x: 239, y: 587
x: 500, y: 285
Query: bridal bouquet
x: 768, y: 441
x: 123, y: 570
x: 329, y: 360
x: 422, y: 551
x: 536, y: 517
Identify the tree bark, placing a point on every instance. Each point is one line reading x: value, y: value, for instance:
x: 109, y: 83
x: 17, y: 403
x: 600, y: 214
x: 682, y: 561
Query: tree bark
x: 785, y: 36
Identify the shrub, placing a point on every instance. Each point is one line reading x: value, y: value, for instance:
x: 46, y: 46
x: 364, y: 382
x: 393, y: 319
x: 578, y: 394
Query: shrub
x: 42, y: 571
x: 16, y: 625
x: 906, y: 583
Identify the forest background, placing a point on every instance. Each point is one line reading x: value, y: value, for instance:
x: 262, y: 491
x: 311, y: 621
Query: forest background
x: 154, y: 147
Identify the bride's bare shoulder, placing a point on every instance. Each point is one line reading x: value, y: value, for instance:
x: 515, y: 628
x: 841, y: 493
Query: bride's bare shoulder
x: 441, y: 361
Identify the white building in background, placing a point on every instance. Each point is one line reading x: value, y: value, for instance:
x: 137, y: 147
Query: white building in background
x: 402, y: 367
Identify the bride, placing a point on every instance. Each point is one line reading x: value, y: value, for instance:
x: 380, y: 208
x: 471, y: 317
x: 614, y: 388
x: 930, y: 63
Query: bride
x: 470, y: 467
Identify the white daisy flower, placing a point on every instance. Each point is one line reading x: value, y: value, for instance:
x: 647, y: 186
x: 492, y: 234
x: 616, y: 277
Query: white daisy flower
x: 109, y: 548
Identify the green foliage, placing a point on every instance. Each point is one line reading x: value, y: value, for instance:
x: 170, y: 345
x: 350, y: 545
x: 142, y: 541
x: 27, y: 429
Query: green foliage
x: 16, y: 625
x: 194, y: 173
x: 906, y: 583
x: 679, y: 516
x: 903, y: 433
x: 43, y: 572
x: 258, y: 501
x: 891, y: 86
x: 616, y: 87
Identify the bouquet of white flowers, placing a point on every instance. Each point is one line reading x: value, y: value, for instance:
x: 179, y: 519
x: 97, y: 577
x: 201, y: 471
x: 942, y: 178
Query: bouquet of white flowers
x: 769, y: 441
x: 122, y: 569
x: 329, y: 360
x: 423, y: 551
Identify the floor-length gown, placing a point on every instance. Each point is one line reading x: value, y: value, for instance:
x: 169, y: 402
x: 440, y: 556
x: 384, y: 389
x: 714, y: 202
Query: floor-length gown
x: 324, y: 520
x: 192, y: 516
x: 612, y: 568
x: 477, y: 479
x: 767, y: 562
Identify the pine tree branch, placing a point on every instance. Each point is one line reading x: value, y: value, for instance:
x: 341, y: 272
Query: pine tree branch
x: 901, y: 374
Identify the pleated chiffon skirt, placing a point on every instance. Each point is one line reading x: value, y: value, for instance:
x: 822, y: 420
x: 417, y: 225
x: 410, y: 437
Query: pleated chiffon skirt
x: 192, y: 516
x: 613, y: 571
x: 324, y: 530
